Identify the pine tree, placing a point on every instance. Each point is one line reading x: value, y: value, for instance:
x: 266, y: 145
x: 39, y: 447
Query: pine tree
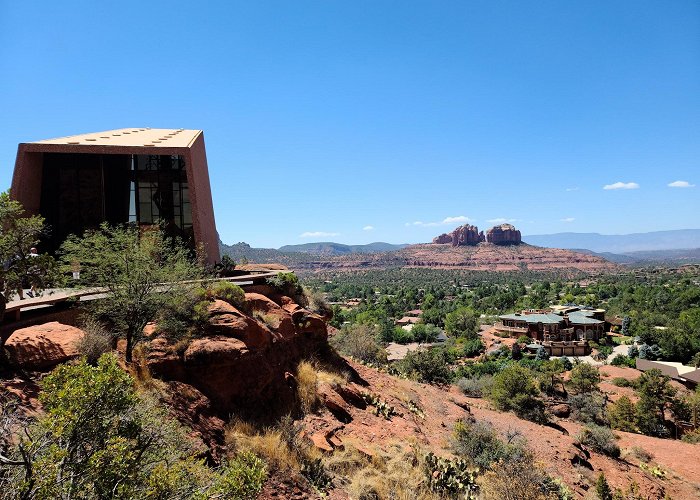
x: 602, y: 488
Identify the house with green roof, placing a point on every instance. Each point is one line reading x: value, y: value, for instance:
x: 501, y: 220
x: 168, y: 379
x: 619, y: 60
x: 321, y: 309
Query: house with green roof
x: 562, y: 331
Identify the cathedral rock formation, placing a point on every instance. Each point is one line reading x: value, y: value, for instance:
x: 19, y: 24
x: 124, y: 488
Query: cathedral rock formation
x: 463, y: 235
x: 505, y: 234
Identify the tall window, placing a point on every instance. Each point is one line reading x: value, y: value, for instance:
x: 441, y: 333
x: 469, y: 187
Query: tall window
x: 162, y: 193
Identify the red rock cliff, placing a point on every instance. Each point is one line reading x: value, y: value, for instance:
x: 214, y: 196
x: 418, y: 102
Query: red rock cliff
x: 463, y: 235
x: 505, y: 234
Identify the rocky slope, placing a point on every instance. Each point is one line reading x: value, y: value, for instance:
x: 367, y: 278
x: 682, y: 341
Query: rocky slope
x: 244, y: 363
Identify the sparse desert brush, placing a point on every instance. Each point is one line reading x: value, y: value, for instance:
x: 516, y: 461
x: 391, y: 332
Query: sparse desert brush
x: 96, y: 340
x: 394, y: 474
x: 307, y: 386
x: 282, y: 447
x: 520, y: 479
x: 268, y: 444
x: 317, y: 302
x: 269, y: 320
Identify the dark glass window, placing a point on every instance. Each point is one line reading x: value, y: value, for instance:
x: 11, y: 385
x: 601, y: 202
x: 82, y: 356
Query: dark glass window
x: 80, y: 191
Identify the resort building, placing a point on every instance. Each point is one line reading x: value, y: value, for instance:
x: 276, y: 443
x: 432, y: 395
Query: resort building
x: 140, y: 175
x: 562, y: 330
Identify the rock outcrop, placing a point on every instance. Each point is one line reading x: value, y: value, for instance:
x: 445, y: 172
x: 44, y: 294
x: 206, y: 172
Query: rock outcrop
x: 443, y: 239
x: 463, y: 235
x: 244, y: 359
x: 505, y: 234
x: 41, y: 347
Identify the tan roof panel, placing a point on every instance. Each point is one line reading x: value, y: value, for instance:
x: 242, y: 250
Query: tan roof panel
x: 151, y: 137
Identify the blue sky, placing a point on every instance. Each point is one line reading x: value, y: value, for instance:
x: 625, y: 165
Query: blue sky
x: 382, y: 120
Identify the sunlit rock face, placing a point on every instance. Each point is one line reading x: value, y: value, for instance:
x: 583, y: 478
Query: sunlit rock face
x: 505, y: 234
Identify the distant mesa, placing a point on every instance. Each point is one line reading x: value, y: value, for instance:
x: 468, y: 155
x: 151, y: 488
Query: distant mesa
x: 468, y: 235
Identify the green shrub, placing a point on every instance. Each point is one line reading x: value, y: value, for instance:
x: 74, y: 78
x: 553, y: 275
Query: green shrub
x: 240, y: 477
x: 622, y: 360
x: 185, y: 315
x: 602, y: 488
x: 121, y: 444
x: 692, y: 437
x: 361, y: 342
x: 462, y: 322
x: 479, y: 443
x: 481, y: 368
x: 623, y: 382
x: 427, y: 365
x: 229, y: 292
x: 401, y: 336
x: 584, y: 378
x: 566, y: 362
x: 476, y: 387
x: 587, y: 407
x: 599, y: 439
x: 514, y: 390
x: 524, y: 339
x: 472, y: 348
x: 288, y: 284
x: 423, y: 332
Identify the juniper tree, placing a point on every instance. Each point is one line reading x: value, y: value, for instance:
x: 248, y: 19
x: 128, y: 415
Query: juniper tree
x: 142, y: 274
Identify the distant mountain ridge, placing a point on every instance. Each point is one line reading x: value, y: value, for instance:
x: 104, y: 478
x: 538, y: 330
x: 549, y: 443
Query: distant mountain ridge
x: 650, y: 257
x: 679, y: 239
x: 330, y: 248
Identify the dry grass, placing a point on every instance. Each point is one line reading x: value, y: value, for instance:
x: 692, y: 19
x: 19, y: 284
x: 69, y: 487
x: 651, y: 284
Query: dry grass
x: 309, y: 375
x: 269, y: 444
x: 139, y: 368
x: 307, y: 388
x: 396, y: 474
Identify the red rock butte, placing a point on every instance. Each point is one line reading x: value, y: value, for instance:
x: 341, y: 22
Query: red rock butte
x: 141, y: 175
x: 505, y: 234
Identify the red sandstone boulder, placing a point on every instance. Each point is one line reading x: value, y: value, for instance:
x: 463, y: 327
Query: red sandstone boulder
x: 194, y: 410
x: 277, y: 318
x: 320, y: 442
x: 335, y: 404
x: 505, y: 234
x: 228, y: 321
x: 165, y: 360
x: 560, y: 410
x: 44, y: 346
x: 214, y: 349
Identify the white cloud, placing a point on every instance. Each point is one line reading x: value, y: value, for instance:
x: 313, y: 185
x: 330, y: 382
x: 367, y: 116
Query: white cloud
x: 572, y: 189
x: 568, y: 219
x: 681, y: 184
x: 453, y: 220
x: 317, y: 234
x: 368, y: 228
x: 445, y: 222
x: 622, y: 185
x: 501, y: 220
